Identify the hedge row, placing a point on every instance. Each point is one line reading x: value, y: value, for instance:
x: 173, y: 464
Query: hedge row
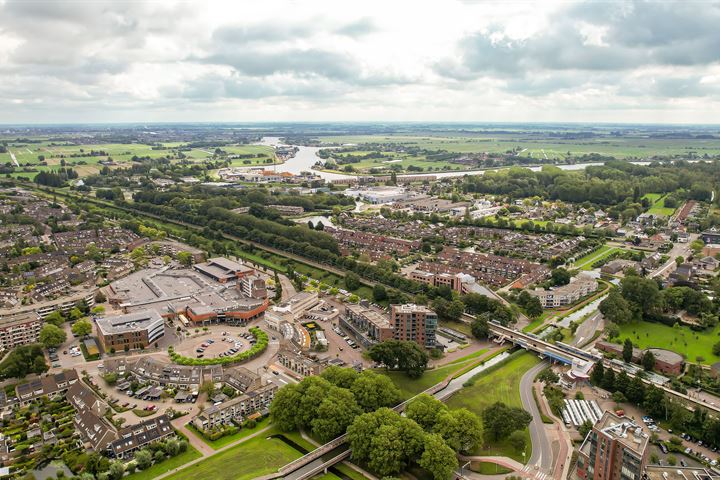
x: 261, y: 343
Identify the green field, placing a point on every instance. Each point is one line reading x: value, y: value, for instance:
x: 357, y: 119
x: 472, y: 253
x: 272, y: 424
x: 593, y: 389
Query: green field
x: 592, y: 257
x: 501, y: 384
x: 258, y: 456
x: 228, y: 439
x: 188, y: 456
x: 537, y: 145
x: 681, y: 339
x: 658, y: 205
x: 121, y: 153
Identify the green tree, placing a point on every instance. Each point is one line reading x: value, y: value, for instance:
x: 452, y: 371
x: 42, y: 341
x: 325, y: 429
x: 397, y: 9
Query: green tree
x: 143, y: 459
x: 373, y: 391
x: 648, y: 361
x: 185, y: 258
x: 56, y: 318
x: 615, y: 308
x: 406, y: 356
x: 379, y: 293
x: 597, y: 374
x: 82, y: 328
x: 461, y: 429
x: 424, y: 410
x: 480, y: 328
x: 500, y: 420
x: 627, y: 352
x: 52, y: 336
x: 339, y: 376
x: 585, y: 428
x: 117, y: 470
x: 438, y: 458
x: 334, y: 414
x: 352, y: 281
x: 560, y: 276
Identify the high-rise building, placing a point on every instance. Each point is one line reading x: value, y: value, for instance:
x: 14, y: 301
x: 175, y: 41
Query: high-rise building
x: 615, y: 449
x: 414, y: 322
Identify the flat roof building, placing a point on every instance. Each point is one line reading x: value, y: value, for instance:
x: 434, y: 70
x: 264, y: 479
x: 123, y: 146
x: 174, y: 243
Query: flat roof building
x: 615, y: 449
x: 131, y: 331
x: 415, y: 323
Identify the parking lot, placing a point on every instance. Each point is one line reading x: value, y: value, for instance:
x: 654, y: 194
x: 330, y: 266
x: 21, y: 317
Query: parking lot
x: 217, y: 341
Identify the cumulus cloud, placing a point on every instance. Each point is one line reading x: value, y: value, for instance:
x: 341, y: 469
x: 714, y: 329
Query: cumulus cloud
x: 454, y: 60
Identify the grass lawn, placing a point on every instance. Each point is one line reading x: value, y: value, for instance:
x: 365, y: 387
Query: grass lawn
x: 592, y: 257
x: 487, y: 468
x: 658, y: 205
x: 143, y: 413
x: 188, y: 456
x: 681, y: 340
x: 410, y: 387
x: 500, y: 384
x: 256, y: 457
x: 461, y: 327
x: 222, y: 441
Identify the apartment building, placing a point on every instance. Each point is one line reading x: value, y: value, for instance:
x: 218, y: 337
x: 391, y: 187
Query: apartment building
x: 20, y: 329
x: 415, y: 323
x: 131, y: 331
x: 236, y: 409
x: 367, y: 325
x: 615, y: 449
x: 298, y: 363
x: 579, y: 287
x: 252, y: 286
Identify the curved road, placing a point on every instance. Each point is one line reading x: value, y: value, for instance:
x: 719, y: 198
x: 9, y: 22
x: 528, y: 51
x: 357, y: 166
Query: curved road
x: 542, y: 454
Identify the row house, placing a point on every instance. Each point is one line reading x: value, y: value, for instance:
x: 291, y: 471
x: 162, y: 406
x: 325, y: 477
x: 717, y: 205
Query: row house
x: 237, y: 409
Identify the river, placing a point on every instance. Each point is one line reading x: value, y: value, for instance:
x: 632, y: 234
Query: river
x: 306, y: 157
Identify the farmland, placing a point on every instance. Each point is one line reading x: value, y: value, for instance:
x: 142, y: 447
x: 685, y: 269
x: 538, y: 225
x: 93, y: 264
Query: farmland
x: 537, y: 146
x: 86, y: 158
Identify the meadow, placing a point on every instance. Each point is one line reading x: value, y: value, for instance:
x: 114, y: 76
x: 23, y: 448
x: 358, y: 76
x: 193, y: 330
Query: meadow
x: 540, y: 146
x: 27, y: 155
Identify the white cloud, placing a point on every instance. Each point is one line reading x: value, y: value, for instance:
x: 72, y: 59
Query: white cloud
x: 373, y: 60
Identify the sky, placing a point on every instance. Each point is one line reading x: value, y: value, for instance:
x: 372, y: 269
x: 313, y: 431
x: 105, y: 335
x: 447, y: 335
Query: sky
x: 348, y: 60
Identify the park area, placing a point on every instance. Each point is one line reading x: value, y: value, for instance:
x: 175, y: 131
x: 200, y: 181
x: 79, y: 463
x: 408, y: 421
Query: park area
x: 255, y: 457
x: 695, y: 346
x: 500, y: 383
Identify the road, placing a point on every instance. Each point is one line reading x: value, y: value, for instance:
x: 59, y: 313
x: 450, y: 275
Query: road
x: 542, y: 454
x: 678, y: 250
x: 587, y: 329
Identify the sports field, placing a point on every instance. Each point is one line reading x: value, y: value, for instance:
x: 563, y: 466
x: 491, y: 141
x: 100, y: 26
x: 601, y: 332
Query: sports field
x: 678, y: 339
